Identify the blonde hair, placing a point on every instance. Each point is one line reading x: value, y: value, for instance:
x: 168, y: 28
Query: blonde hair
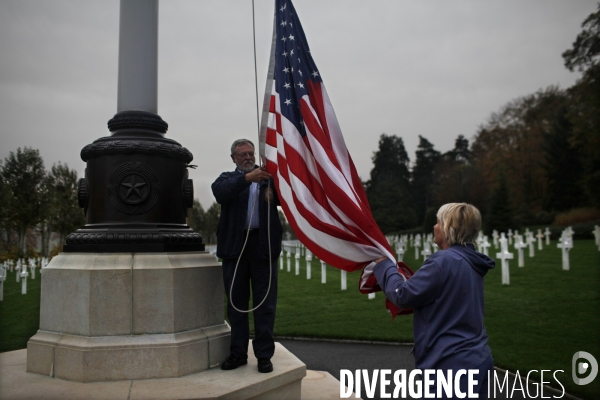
x: 460, y: 222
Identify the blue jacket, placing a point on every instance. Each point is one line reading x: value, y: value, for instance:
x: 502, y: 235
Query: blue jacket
x: 447, y: 296
x: 231, y: 191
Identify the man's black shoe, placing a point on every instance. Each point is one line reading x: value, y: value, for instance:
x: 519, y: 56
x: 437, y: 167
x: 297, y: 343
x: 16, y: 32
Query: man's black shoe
x: 265, y: 365
x: 232, y: 362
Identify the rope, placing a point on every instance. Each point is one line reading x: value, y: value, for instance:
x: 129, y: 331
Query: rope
x: 254, y: 199
x: 242, y: 252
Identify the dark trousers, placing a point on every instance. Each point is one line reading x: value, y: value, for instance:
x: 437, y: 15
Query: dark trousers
x: 252, y: 272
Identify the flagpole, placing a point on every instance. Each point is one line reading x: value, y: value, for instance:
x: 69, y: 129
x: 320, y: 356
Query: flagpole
x: 262, y: 134
x: 255, y: 69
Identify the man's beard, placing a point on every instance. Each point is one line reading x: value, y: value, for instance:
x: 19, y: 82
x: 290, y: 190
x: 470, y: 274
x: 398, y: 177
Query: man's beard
x: 249, y: 167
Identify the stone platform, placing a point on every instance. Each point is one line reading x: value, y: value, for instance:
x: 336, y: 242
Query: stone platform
x: 129, y: 316
x: 289, y: 380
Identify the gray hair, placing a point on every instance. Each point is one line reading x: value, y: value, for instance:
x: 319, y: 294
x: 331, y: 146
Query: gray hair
x: 460, y: 222
x: 240, y: 142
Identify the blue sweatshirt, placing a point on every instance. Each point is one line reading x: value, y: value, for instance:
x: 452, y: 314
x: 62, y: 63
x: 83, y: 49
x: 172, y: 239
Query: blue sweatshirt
x: 446, y: 294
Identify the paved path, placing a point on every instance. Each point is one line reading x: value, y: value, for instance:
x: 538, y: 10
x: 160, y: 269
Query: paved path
x: 332, y: 356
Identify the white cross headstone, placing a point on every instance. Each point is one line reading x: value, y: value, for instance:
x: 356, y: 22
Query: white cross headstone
x: 426, y: 250
x: 495, y: 238
x: 547, y: 234
x: 597, y: 235
x: 32, y: 268
x: 510, y: 236
x: 530, y: 241
x: 24, y: 275
x: 417, y: 245
x: 520, y: 245
x: 344, y: 280
x: 308, y: 258
x: 2, y: 279
x: 565, y: 243
x: 18, y: 271
x: 400, y: 252
x: 504, y: 255
x: 323, y: 272
x: 570, y: 231
x: 484, y: 245
x: 539, y: 237
x: 411, y: 238
x: 371, y: 296
x: 297, y: 261
x: 289, y: 259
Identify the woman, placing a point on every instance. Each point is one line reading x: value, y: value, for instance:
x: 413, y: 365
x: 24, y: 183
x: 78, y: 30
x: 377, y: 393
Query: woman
x: 447, y: 297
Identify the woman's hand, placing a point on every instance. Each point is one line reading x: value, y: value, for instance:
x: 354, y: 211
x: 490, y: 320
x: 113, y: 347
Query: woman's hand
x: 380, y: 259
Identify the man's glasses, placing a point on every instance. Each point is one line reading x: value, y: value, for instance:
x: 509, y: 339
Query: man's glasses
x: 244, y: 155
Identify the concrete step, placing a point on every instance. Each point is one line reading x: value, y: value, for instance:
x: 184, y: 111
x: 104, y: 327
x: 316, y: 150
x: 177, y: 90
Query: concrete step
x: 289, y: 380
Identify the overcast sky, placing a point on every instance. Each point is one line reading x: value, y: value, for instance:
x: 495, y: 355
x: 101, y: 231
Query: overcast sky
x: 434, y: 68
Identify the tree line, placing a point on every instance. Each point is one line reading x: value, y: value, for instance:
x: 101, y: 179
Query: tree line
x: 35, y: 202
x: 538, y: 156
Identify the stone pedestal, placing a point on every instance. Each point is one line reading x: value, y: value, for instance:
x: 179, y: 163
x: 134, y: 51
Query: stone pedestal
x: 117, y: 316
x: 284, y: 383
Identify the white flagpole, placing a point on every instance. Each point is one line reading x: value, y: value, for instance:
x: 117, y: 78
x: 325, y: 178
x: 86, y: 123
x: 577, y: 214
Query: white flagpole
x: 262, y: 134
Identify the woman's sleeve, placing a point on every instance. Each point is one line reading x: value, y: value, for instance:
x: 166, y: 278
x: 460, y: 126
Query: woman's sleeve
x: 421, y: 289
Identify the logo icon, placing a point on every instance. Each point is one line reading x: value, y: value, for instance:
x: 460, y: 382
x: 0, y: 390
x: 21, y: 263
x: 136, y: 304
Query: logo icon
x: 582, y: 367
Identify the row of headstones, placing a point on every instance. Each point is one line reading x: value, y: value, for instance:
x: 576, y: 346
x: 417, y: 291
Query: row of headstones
x: 565, y: 243
x: 290, y: 247
x: 520, y: 242
x: 426, y: 241
x: 20, y: 266
x: 401, y: 244
x: 417, y: 241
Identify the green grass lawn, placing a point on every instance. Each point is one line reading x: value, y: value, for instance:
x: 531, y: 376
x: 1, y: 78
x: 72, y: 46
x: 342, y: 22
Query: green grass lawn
x: 19, y: 314
x: 536, y: 323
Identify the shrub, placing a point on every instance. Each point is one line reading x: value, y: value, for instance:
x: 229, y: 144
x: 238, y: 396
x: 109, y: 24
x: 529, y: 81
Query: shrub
x: 577, y: 215
x: 580, y: 231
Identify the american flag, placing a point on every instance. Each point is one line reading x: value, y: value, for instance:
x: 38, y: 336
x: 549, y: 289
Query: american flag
x: 302, y: 146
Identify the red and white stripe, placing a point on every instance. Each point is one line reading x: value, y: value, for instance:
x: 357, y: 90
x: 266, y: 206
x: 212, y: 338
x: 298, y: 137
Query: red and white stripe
x: 319, y: 189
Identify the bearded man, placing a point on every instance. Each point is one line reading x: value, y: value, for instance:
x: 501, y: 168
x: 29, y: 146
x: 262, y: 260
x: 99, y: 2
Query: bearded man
x: 249, y: 242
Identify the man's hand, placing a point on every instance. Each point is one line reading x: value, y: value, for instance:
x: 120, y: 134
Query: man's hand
x: 257, y: 175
